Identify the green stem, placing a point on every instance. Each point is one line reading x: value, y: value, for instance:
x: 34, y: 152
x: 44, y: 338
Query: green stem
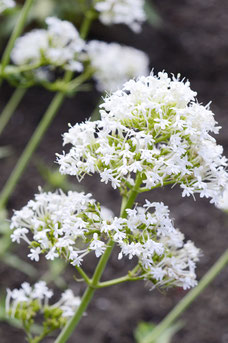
x: 83, y: 275
x: 11, y: 107
x: 131, y: 196
x: 30, y: 148
x: 144, y: 189
x: 88, y: 295
x: 118, y: 281
x: 70, y: 326
x: 188, y: 299
x: 16, y: 33
x: 89, y: 17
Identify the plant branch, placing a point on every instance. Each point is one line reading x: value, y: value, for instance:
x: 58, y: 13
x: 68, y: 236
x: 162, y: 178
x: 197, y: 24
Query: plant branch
x: 83, y: 275
x: 118, y: 281
x: 11, y: 107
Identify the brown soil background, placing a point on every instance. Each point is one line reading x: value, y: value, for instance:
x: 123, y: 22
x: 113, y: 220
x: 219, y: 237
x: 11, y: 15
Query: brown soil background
x: 193, y: 40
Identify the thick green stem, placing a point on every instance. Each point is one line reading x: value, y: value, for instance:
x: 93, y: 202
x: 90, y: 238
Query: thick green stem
x: 188, y: 299
x: 131, y: 197
x: 16, y: 33
x: 11, y: 107
x: 87, y: 297
x: 70, y: 326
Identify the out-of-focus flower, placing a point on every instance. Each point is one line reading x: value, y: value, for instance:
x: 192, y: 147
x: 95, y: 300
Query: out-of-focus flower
x: 5, y: 4
x: 128, y: 12
x: 59, y: 46
x: 115, y: 64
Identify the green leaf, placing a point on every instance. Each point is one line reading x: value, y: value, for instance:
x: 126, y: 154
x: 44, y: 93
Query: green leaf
x: 143, y: 331
x: 5, y: 151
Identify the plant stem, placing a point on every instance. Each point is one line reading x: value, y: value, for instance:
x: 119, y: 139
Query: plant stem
x: 132, y: 194
x: 70, y: 326
x: 88, y: 295
x: 89, y: 17
x: 11, y: 107
x: 30, y: 148
x: 188, y: 299
x: 118, y: 281
x: 83, y: 275
x: 16, y: 33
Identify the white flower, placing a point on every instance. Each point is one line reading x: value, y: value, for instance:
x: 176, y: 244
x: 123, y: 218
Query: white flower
x: 128, y: 12
x: 154, y: 128
x: 61, y: 223
x: 97, y: 245
x: 58, y: 45
x: 35, y: 254
x: 115, y: 64
x: 5, y: 4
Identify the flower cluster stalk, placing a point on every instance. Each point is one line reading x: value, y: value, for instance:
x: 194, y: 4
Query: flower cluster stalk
x: 88, y: 295
x: 220, y: 264
x: 11, y: 107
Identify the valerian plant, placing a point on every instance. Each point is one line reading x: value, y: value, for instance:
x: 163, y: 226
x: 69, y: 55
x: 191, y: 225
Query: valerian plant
x: 152, y: 133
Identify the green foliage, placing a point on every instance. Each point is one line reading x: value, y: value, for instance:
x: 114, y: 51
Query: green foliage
x: 144, y: 329
x: 5, y: 151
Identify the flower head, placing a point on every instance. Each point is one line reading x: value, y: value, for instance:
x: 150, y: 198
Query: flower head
x: 29, y: 301
x: 155, y: 128
x: 115, y: 64
x: 58, y: 45
x: 58, y: 223
x: 129, y: 12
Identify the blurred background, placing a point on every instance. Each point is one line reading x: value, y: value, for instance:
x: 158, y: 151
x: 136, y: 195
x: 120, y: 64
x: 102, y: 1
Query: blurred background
x: 189, y: 37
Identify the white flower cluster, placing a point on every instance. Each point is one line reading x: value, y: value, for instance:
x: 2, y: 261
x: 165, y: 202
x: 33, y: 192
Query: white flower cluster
x: 61, y: 223
x: 129, y: 12
x: 58, y: 45
x: 154, y: 128
x: 22, y: 299
x: 115, y: 64
x: 5, y: 4
x: 61, y: 46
